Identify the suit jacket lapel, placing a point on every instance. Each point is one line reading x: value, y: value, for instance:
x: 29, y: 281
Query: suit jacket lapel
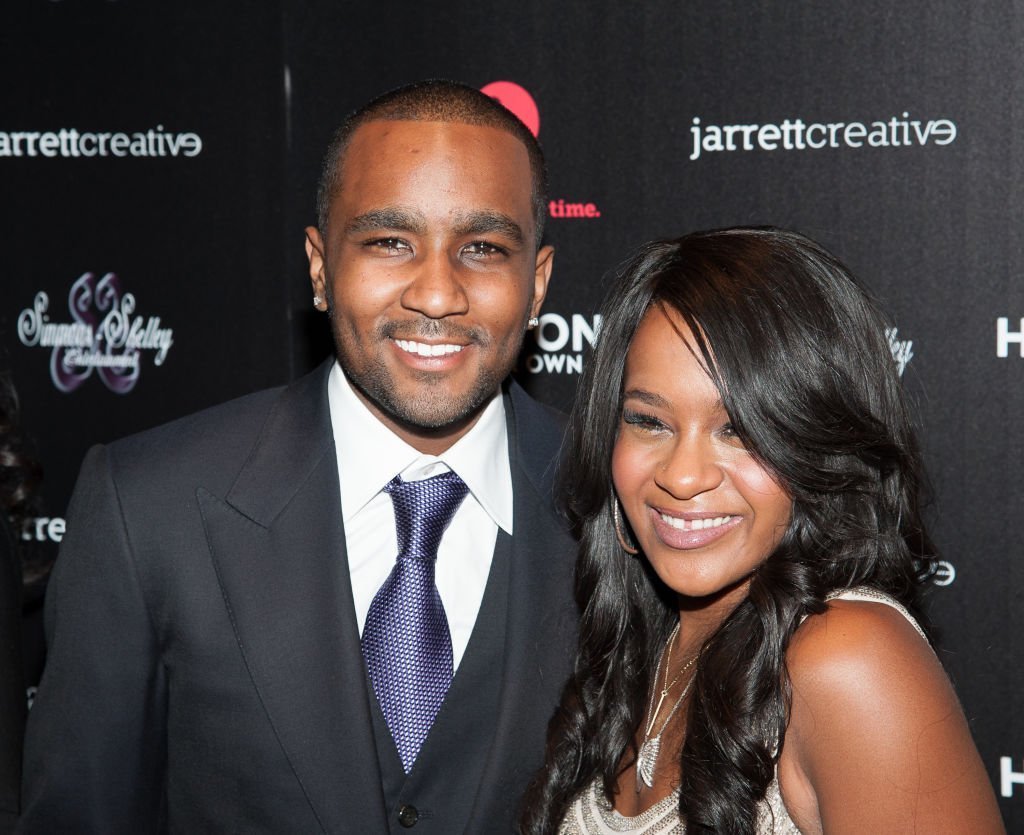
x: 279, y: 551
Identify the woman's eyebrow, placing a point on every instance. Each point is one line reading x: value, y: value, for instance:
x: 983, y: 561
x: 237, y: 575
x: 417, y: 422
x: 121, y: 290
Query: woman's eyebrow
x: 648, y: 397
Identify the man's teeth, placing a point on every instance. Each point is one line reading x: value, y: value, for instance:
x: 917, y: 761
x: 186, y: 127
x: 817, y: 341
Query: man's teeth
x: 425, y: 350
x: 694, y: 524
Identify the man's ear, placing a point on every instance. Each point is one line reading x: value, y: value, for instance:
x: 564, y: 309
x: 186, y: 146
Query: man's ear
x: 315, y: 254
x: 541, y: 277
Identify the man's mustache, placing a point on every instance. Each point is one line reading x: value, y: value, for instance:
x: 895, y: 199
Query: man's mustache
x: 431, y: 329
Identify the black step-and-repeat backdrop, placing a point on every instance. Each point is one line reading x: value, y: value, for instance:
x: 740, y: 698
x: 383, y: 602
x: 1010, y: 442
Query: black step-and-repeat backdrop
x: 158, y: 164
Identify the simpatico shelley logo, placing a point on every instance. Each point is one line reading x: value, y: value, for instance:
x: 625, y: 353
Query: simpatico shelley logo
x: 104, y: 335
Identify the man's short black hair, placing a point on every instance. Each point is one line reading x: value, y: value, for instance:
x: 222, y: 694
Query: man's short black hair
x: 436, y: 100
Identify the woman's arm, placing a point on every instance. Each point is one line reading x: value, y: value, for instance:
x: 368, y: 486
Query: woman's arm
x: 877, y: 741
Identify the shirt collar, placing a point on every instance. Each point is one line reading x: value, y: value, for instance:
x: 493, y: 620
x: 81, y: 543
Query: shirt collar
x: 374, y: 454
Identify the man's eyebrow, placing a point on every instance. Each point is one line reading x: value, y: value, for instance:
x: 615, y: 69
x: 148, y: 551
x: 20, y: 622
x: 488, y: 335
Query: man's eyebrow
x: 401, y: 220
x: 483, y: 223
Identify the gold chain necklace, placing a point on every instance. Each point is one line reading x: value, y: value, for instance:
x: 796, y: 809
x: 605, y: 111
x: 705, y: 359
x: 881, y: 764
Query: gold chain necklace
x: 647, y: 755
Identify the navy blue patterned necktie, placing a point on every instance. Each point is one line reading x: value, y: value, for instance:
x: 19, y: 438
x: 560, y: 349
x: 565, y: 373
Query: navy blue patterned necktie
x: 406, y: 643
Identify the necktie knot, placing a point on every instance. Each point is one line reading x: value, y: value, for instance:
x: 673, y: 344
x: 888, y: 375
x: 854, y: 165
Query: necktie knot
x: 423, y: 510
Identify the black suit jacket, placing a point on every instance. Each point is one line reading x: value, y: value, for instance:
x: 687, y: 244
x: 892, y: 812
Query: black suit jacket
x: 204, y: 672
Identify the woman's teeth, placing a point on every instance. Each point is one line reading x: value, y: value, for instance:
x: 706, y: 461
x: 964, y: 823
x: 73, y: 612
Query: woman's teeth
x: 694, y: 524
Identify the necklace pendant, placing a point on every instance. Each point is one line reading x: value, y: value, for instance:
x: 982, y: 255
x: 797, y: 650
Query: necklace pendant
x: 646, y: 759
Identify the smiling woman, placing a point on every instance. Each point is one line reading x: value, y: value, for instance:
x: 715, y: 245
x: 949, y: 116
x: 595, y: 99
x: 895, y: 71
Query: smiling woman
x: 752, y: 551
x: 705, y: 512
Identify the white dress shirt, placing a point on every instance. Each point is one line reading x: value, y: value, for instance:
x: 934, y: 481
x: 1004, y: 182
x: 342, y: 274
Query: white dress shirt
x: 370, y: 455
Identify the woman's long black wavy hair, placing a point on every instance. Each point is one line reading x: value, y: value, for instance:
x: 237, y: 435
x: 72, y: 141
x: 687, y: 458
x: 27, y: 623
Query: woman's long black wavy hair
x: 799, y: 354
x: 20, y: 473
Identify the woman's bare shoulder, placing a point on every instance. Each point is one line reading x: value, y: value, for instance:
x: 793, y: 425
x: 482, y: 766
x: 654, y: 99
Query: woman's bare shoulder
x: 857, y: 638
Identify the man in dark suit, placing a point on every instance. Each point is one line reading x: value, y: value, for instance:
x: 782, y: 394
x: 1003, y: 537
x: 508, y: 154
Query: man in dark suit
x: 234, y: 646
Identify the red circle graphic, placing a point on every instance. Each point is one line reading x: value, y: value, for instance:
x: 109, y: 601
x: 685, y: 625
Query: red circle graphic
x: 516, y: 99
